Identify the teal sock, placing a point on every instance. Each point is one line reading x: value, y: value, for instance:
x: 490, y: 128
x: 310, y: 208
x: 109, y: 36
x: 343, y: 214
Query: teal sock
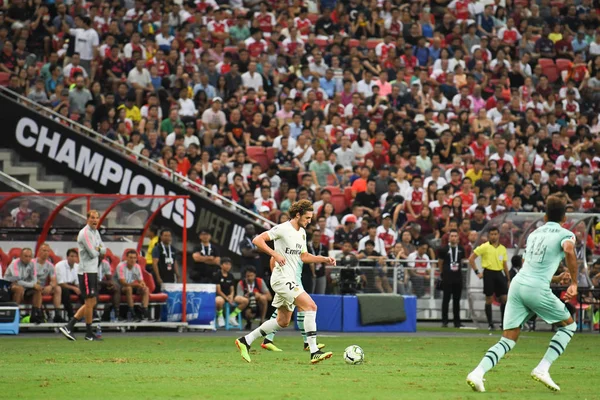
x: 557, y: 346
x: 300, y: 321
x: 495, y: 354
x: 271, y: 336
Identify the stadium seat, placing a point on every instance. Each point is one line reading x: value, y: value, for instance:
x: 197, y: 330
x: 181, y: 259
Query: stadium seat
x: 563, y: 64
x: 339, y: 203
x: 271, y: 153
x: 55, y: 259
x: 551, y: 71
x: 331, y: 180
x: 231, y: 49
x: 313, y: 18
x: 4, y: 78
x: 372, y: 43
x: 258, y: 154
x: 4, y: 260
x: 149, y: 281
x: 13, y: 253
x: 334, y: 189
x: 544, y: 62
x: 353, y: 43
x: 321, y: 42
x: 348, y: 196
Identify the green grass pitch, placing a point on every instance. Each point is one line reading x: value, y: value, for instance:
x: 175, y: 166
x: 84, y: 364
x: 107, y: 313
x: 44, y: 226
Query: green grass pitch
x: 204, y: 366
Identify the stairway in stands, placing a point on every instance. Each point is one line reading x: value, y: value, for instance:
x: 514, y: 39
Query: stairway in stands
x: 34, y: 175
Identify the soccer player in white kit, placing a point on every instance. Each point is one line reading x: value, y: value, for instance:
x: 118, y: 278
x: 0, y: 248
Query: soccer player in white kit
x: 289, y: 254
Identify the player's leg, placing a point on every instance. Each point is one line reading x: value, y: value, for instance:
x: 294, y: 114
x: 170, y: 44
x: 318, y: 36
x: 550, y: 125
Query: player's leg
x: 283, y: 319
x: 36, y: 306
x: 285, y: 295
x: 456, y: 293
x: 91, y: 282
x: 307, y: 304
x: 501, y: 290
x: 56, y: 301
x: 145, y: 294
x: 267, y: 343
x: 241, y: 302
x: 128, y: 293
x: 446, y: 295
x: 220, y: 303
x: 488, y: 290
x: 516, y: 313
x: 553, y: 311
x: 18, y: 293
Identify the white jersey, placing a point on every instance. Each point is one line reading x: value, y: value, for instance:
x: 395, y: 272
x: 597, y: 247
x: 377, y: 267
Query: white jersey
x: 290, y: 243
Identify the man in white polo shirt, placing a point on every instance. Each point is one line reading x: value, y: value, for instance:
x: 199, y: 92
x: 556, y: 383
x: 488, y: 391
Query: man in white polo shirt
x: 252, y: 79
x: 67, y: 279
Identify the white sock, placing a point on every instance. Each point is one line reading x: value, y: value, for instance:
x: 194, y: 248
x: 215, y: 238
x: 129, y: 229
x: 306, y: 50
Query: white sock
x: 543, y: 366
x: 267, y: 327
x: 310, y: 326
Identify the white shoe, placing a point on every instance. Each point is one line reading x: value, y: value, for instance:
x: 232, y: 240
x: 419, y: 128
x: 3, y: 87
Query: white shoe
x: 476, y: 381
x: 544, y: 377
x: 233, y: 321
x: 220, y: 321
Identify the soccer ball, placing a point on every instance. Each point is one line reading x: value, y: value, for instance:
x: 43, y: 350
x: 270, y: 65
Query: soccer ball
x: 354, y: 355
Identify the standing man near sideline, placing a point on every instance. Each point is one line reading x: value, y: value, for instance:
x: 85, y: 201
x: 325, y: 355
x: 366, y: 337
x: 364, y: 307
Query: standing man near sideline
x: 91, y: 249
x: 494, y: 261
x: 449, y: 260
x: 530, y: 294
x: 164, y: 265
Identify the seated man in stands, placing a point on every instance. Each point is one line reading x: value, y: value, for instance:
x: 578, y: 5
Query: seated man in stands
x: 225, y: 293
x: 67, y: 279
x: 130, y: 278
x: 255, y: 290
x: 21, y: 272
x: 46, y: 278
x: 108, y: 285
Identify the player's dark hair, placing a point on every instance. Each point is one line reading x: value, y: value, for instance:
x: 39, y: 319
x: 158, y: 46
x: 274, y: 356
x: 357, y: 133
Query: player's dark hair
x: 494, y: 229
x: 555, y: 208
x: 453, y: 231
x: 225, y: 260
x: 71, y: 251
x: 250, y: 268
x: 300, y: 208
x: 131, y: 251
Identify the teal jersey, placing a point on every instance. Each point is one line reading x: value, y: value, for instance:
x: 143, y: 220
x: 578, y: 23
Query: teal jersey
x: 543, y: 254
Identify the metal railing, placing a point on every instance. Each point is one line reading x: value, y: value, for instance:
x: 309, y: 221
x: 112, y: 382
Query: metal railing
x: 153, y: 165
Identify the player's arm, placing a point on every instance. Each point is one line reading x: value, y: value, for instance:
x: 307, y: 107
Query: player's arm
x: 472, y: 259
x: 506, y: 272
x: 307, y: 258
x: 260, y: 242
x: 85, y: 240
x: 176, y: 270
x: 571, y: 260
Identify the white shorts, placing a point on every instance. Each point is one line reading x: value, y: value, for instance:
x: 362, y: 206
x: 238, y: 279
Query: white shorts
x: 286, y: 291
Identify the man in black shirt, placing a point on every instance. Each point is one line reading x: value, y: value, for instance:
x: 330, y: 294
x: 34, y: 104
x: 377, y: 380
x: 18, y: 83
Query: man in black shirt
x: 572, y: 187
x: 368, y: 199
x: 206, y: 260
x: 250, y: 253
x: 478, y: 222
x: 485, y: 182
x: 164, y: 265
x: 344, y: 233
x: 314, y: 274
x: 226, y: 294
x: 449, y: 260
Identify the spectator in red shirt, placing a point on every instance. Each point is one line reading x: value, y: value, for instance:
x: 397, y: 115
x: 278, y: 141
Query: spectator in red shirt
x: 377, y: 156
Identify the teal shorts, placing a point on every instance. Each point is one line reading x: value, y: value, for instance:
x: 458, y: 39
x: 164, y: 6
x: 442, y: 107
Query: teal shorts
x: 525, y: 301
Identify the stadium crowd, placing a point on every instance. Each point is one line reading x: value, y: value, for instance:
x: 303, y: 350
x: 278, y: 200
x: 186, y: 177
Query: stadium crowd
x: 401, y: 120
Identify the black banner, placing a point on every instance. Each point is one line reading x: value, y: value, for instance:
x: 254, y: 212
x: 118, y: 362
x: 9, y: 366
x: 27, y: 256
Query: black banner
x: 100, y: 168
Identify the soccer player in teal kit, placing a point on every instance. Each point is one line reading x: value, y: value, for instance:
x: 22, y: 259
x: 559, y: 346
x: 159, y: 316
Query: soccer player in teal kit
x: 530, y: 294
